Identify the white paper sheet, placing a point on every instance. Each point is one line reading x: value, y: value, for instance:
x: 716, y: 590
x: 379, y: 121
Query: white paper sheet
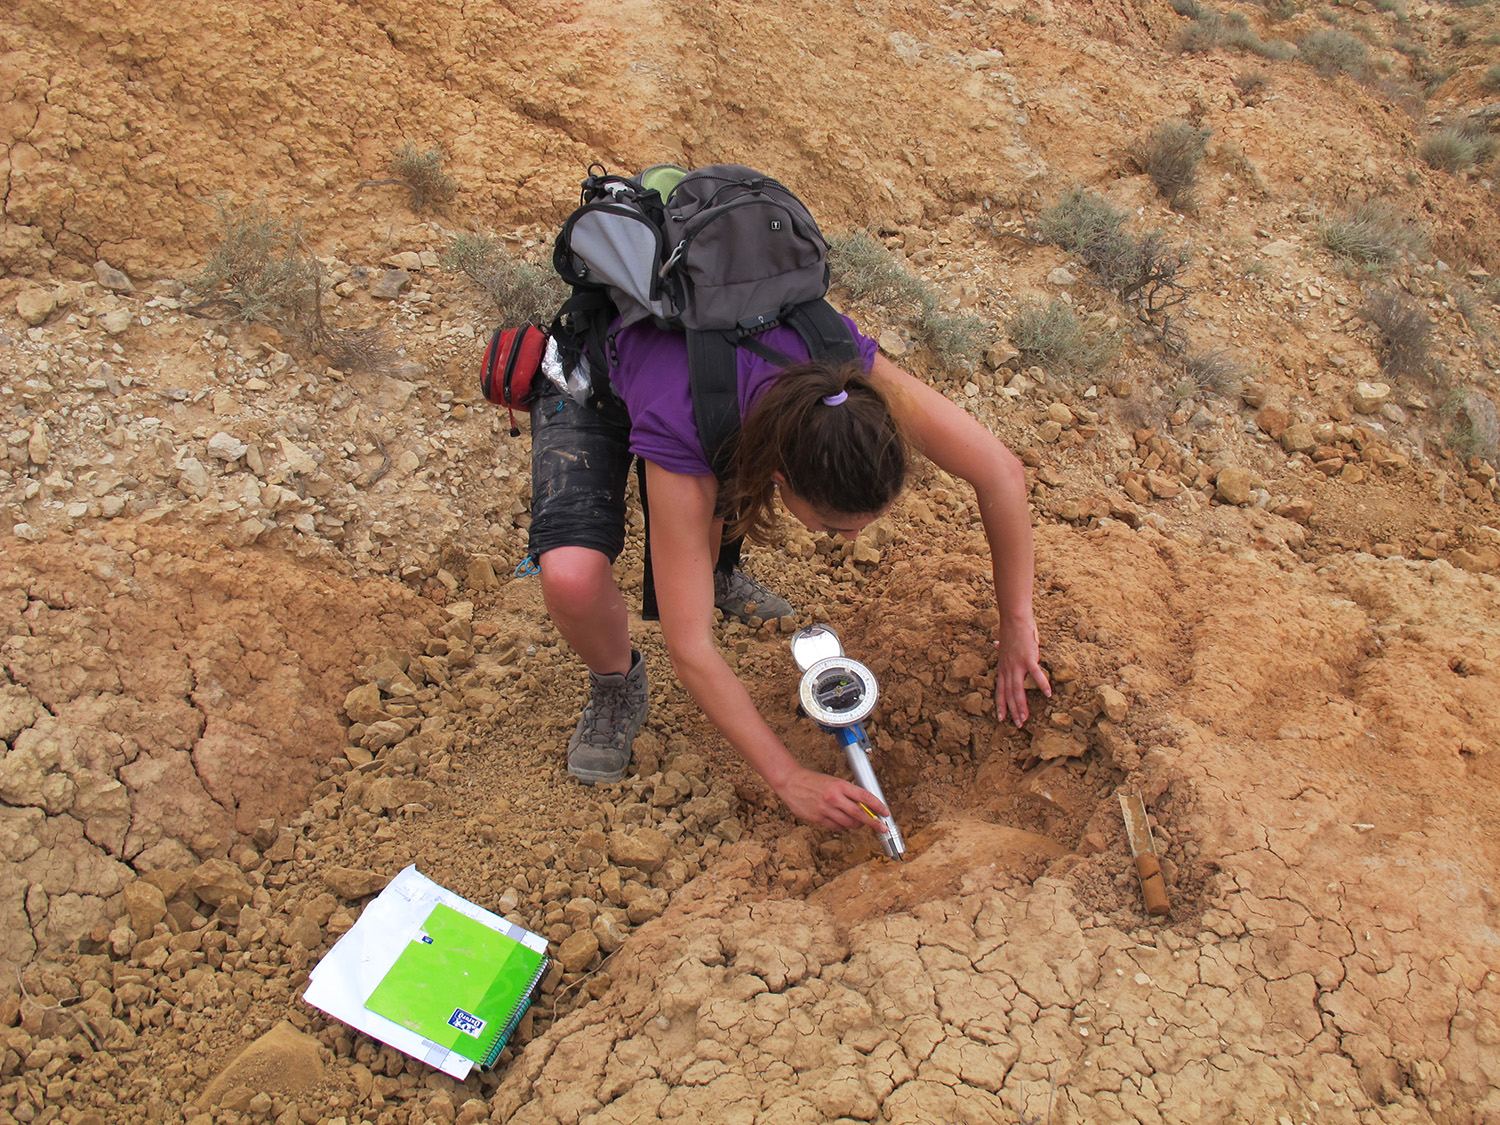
x: 346, y: 976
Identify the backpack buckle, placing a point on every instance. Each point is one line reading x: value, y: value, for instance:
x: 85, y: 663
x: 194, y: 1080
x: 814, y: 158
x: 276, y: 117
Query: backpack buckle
x: 666, y: 266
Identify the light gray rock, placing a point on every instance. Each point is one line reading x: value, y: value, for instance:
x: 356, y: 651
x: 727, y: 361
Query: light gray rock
x: 116, y: 281
x: 117, y: 321
x: 194, y: 480
x: 389, y: 284
x: 1368, y: 398
x: 226, y: 447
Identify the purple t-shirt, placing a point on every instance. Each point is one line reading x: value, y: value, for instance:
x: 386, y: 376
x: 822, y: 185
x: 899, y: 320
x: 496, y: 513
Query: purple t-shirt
x: 651, y: 377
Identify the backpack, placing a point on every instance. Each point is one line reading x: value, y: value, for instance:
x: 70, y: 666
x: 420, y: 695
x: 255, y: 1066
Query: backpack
x: 721, y: 254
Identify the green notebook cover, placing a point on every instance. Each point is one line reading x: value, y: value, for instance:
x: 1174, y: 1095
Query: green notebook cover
x: 460, y: 984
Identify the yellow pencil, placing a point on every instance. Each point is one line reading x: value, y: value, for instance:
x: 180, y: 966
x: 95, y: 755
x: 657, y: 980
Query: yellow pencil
x: 868, y: 813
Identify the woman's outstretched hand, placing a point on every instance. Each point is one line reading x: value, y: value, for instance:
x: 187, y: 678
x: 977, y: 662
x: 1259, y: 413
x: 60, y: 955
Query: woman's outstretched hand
x: 819, y: 798
x: 1020, y: 656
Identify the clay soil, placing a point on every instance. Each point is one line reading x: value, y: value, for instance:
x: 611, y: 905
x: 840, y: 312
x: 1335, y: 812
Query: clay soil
x: 265, y: 643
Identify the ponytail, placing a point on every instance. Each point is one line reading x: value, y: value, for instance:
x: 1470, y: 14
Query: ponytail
x: 830, y: 435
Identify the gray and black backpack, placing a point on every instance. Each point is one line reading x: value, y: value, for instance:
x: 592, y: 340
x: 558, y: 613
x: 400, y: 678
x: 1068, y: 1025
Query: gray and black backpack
x: 721, y: 254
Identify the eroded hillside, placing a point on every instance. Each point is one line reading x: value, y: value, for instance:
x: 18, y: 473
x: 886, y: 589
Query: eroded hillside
x: 264, y: 646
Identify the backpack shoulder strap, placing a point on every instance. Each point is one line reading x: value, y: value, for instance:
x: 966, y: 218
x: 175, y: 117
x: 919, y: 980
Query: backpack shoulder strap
x: 713, y: 378
x: 713, y: 370
x: 824, y: 331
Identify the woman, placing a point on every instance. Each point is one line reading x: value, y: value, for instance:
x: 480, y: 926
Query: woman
x: 832, y: 443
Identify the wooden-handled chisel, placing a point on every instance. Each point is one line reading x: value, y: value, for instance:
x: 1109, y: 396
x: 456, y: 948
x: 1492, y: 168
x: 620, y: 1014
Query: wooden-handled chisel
x: 1147, y: 865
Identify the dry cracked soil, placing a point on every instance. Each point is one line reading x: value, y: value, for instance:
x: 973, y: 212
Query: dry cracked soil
x: 264, y: 643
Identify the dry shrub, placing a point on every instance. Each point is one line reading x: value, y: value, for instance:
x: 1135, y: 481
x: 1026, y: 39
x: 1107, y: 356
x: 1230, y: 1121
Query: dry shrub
x: 1143, y: 272
x: 956, y: 338
x: 261, y: 270
x: 1489, y: 81
x: 1371, y: 234
x: 1405, y: 332
x: 1171, y: 156
x: 1216, y: 370
x: 1252, y: 86
x: 421, y: 173
x: 860, y: 264
x: 1211, y: 29
x: 522, y: 293
x: 1057, y: 339
x: 1457, y: 148
x: 1332, y: 52
x: 869, y: 271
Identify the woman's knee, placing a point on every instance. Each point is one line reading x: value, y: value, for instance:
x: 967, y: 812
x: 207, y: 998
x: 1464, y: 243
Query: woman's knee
x: 575, y: 575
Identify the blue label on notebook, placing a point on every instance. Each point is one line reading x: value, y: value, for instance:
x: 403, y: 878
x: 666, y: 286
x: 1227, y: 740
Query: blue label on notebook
x: 469, y: 1024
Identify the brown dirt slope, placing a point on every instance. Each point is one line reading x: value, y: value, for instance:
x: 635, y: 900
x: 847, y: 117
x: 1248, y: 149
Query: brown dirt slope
x: 262, y: 646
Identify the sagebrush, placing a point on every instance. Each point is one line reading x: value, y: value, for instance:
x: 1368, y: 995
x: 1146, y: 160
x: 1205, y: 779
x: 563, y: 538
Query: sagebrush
x: 1405, y: 332
x: 421, y: 173
x: 261, y: 270
x: 1055, y: 338
x: 521, y: 292
x: 1171, y: 156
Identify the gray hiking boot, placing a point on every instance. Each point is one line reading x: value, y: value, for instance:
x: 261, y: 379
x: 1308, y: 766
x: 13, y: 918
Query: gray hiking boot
x: 599, y: 750
x: 739, y: 595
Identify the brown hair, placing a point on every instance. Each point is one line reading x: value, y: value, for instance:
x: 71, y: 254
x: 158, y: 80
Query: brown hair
x: 849, y: 458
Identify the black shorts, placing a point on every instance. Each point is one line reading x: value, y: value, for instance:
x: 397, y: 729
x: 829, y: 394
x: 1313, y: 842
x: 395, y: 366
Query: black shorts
x: 580, y: 463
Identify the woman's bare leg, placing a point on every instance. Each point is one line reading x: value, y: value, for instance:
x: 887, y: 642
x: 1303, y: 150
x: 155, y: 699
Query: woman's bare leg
x: 587, y: 607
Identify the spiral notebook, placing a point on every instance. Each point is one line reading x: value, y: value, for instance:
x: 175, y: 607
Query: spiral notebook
x: 432, y: 974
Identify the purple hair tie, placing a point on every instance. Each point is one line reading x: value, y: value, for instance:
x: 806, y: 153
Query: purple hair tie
x: 835, y: 400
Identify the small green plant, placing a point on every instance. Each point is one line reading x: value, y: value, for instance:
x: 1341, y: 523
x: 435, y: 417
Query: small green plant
x: 957, y: 338
x: 1332, y: 52
x: 1405, y: 332
x: 522, y: 293
x: 1057, y: 339
x: 1143, y: 272
x: 1457, y: 148
x: 1252, y: 86
x: 1171, y: 156
x: 1370, y: 235
x: 421, y: 173
x: 1213, y: 370
x: 261, y: 270
x: 869, y: 271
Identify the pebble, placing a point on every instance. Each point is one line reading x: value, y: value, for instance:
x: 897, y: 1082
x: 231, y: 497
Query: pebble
x: 35, y: 305
x: 116, y: 281
x: 388, y: 286
x: 1235, y: 485
x: 225, y: 447
x: 1367, y: 398
x: 892, y: 344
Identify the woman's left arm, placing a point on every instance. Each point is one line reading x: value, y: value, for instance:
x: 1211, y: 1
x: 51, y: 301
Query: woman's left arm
x: 959, y: 444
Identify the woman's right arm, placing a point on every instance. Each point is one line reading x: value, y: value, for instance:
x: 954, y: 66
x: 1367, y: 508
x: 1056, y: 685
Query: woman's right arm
x: 682, y: 553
